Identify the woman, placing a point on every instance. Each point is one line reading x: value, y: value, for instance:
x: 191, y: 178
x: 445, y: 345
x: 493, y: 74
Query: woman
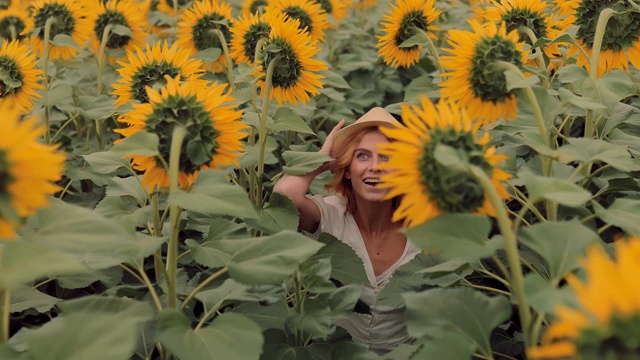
x: 360, y: 216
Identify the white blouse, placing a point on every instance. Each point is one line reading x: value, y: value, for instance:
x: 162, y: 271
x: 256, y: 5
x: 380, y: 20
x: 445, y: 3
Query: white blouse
x: 385, y: 328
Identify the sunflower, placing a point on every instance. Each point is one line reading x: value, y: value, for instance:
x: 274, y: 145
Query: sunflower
x: 471, y: 76
x: 606, y: 321
x: 196, y: 25
x: 28, y: 169
x: 149, y: 68
x: 429, y: 188
x: 213, y: 126
x: 335, y: 8
x: 248, y: 30
x: 621, y: 43
x: 531, y: 14
x: 365, y: 4
x: 250, y: 7
x: 18, y: 76
x: 310, y: 15
x: 118, y: 12
x: 71, y: 18
x: 13, y: 22
x: 402, y: 22
x: 166, y: 6
x: 295, y: 75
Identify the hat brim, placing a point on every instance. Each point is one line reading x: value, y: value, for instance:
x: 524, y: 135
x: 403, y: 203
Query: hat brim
x: 357, y: 127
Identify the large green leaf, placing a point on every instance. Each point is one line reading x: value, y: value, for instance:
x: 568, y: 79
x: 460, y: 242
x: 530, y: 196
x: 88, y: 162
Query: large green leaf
x: 25, y: 297
x: 230, y: 336
x: 279, y: 214
x: 140, y: 143
x: 286, y: 120
x: 213, y: 194
x: 624, y: 213
x: 90, y: 328
x: 229, y: 291
x: 609, y: 88
x: 445, y: 235
x: 314, y: 319
x: 543, y: 296
x: 129, y: 186
x: 96, y: 107
x: 105, y: 162
x: 561, y: 191
x: 216, y: 253
x: 346, y: 266
x: 302, y: 162
x: 559, y: 244
x: 594, y: 150
x: 447, y: 345
x: 269, y: 260
x: 462, y: 310
x: 270, y: 316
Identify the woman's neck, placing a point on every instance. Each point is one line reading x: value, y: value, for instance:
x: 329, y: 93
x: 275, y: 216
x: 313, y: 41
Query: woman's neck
x: 374, y: 217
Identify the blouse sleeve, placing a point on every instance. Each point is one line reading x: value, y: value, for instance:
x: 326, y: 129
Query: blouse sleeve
x: 332, y: 215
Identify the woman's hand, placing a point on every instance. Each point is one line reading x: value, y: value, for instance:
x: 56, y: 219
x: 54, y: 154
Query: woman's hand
x: 327, y: 147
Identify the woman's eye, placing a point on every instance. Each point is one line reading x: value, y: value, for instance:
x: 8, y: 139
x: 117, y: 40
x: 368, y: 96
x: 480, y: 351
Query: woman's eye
x: 362, y: 156
x: 384, y: 158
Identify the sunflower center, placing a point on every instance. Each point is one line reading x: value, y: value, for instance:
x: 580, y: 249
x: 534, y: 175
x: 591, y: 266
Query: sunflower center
x: 298, y: 13
x: 451, y: 189
x: 5, y: 175
x: 250, y: 39
x: 518, y: 17
x: 153, y: 75
x: 325, y: 5
x: 114, y: 18
x: 64, y: 24
x: 4, y: 4
x: 181, y: 3
x: 5, y: 27
x: 623, y: 29
x: 203, y: 35
x: 200, y: 143
x: 10, y: 76
x: 406, y: 29
x: 487, y: 81
x: 288, y: 68
x: 257, y: 5
x: 614, y: 341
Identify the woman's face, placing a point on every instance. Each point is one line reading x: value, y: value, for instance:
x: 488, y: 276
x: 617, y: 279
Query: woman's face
x: 363, y: 170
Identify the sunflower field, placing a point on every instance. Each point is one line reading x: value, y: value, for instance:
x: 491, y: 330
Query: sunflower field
x: 140, y: 141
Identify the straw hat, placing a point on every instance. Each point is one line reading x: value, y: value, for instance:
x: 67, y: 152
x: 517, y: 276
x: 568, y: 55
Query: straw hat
x: 373, y: 118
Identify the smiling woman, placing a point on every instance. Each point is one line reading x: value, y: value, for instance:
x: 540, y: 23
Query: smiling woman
x: 361, y: 217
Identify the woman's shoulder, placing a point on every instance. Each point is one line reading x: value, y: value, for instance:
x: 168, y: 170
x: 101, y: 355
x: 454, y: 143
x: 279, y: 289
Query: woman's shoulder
x: 337, y: 202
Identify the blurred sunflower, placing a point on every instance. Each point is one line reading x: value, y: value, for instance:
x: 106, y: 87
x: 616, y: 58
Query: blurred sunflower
x: 310, y: 15
x: 250, y: 7
x: 213, y: 126
x: 196, y: 27
x: 28, y: 170
x: 606, y: 322
x: 401, y: 22
x: 531, y: 14
x: 365, y: 4
x: 71, y: 18
x: 621, y: 42
x: 336, y: 8
x: 13, y: 22
x: 149, y: 68
x: 429, y: 188
x: 471, y: 76
x: 248, y: 30
x: 295, y: 75
x: 118, y: 12
x: 19, y: 78
x: 166, y: 6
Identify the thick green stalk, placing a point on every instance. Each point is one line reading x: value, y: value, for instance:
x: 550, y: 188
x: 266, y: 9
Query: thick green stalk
x: 202, y: 285
x: 539, y: 54
x: 101, y: 62
x: 5, y: 312
x: 262, y: 132
x: 225, y: 50
x: 432, y: 48
x: 511, y: 250
x: 45, y: 68
x: 178, y: 136
x: 13, y: 32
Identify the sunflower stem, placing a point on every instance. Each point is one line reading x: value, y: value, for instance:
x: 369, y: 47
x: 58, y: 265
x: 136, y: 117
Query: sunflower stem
x: 101, y: 57
x: 13, y: 32
x: 5, y: 311
x: 432, y: 48
x: 158, y: 264
x: 177, y: 138
x: 45, y: 61
x: 511, y: 249
x: 539, y: 54
x: 202, y: 285
x: 225, y: 50
x: 262, y: 132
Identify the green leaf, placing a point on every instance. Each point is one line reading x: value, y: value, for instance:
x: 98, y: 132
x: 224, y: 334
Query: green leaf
x: 105, y: 162
x: 99, y: 328
x: 213, y: 194
x: 271, y: 259
x: 57, y: 93
x: 96, y: 107
x: 286, y: 120
x: 559, y: 244
x: 419, y: 87
x: 582, y: 102
x: 208, y: 55
x: 542, y: 296
x: 594, y: 150
x: 462, y: 310
x: 141, y: 143
x: 124, y: 211
x: 573, y: 74
x: 122, y: 31
x: 333, y: 79
x: 419, y: 39
x: 229, y: 291
x: 302, y: 162
x: 25, y: 297
x: 562, y: 191
x: 515, y: 81
x: 314, y: 319
x: 445, y: 235
x: 216, y: 253
x: 279, y: 214
x: 270, y: 316
x: 346, y: 266
x: 623, y: 213
x: 537, y: 143
x: 129, y: 186
x: 230, y: 336
x: 447, y: 345
x: 63, y: 40
x: 609, y: 88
